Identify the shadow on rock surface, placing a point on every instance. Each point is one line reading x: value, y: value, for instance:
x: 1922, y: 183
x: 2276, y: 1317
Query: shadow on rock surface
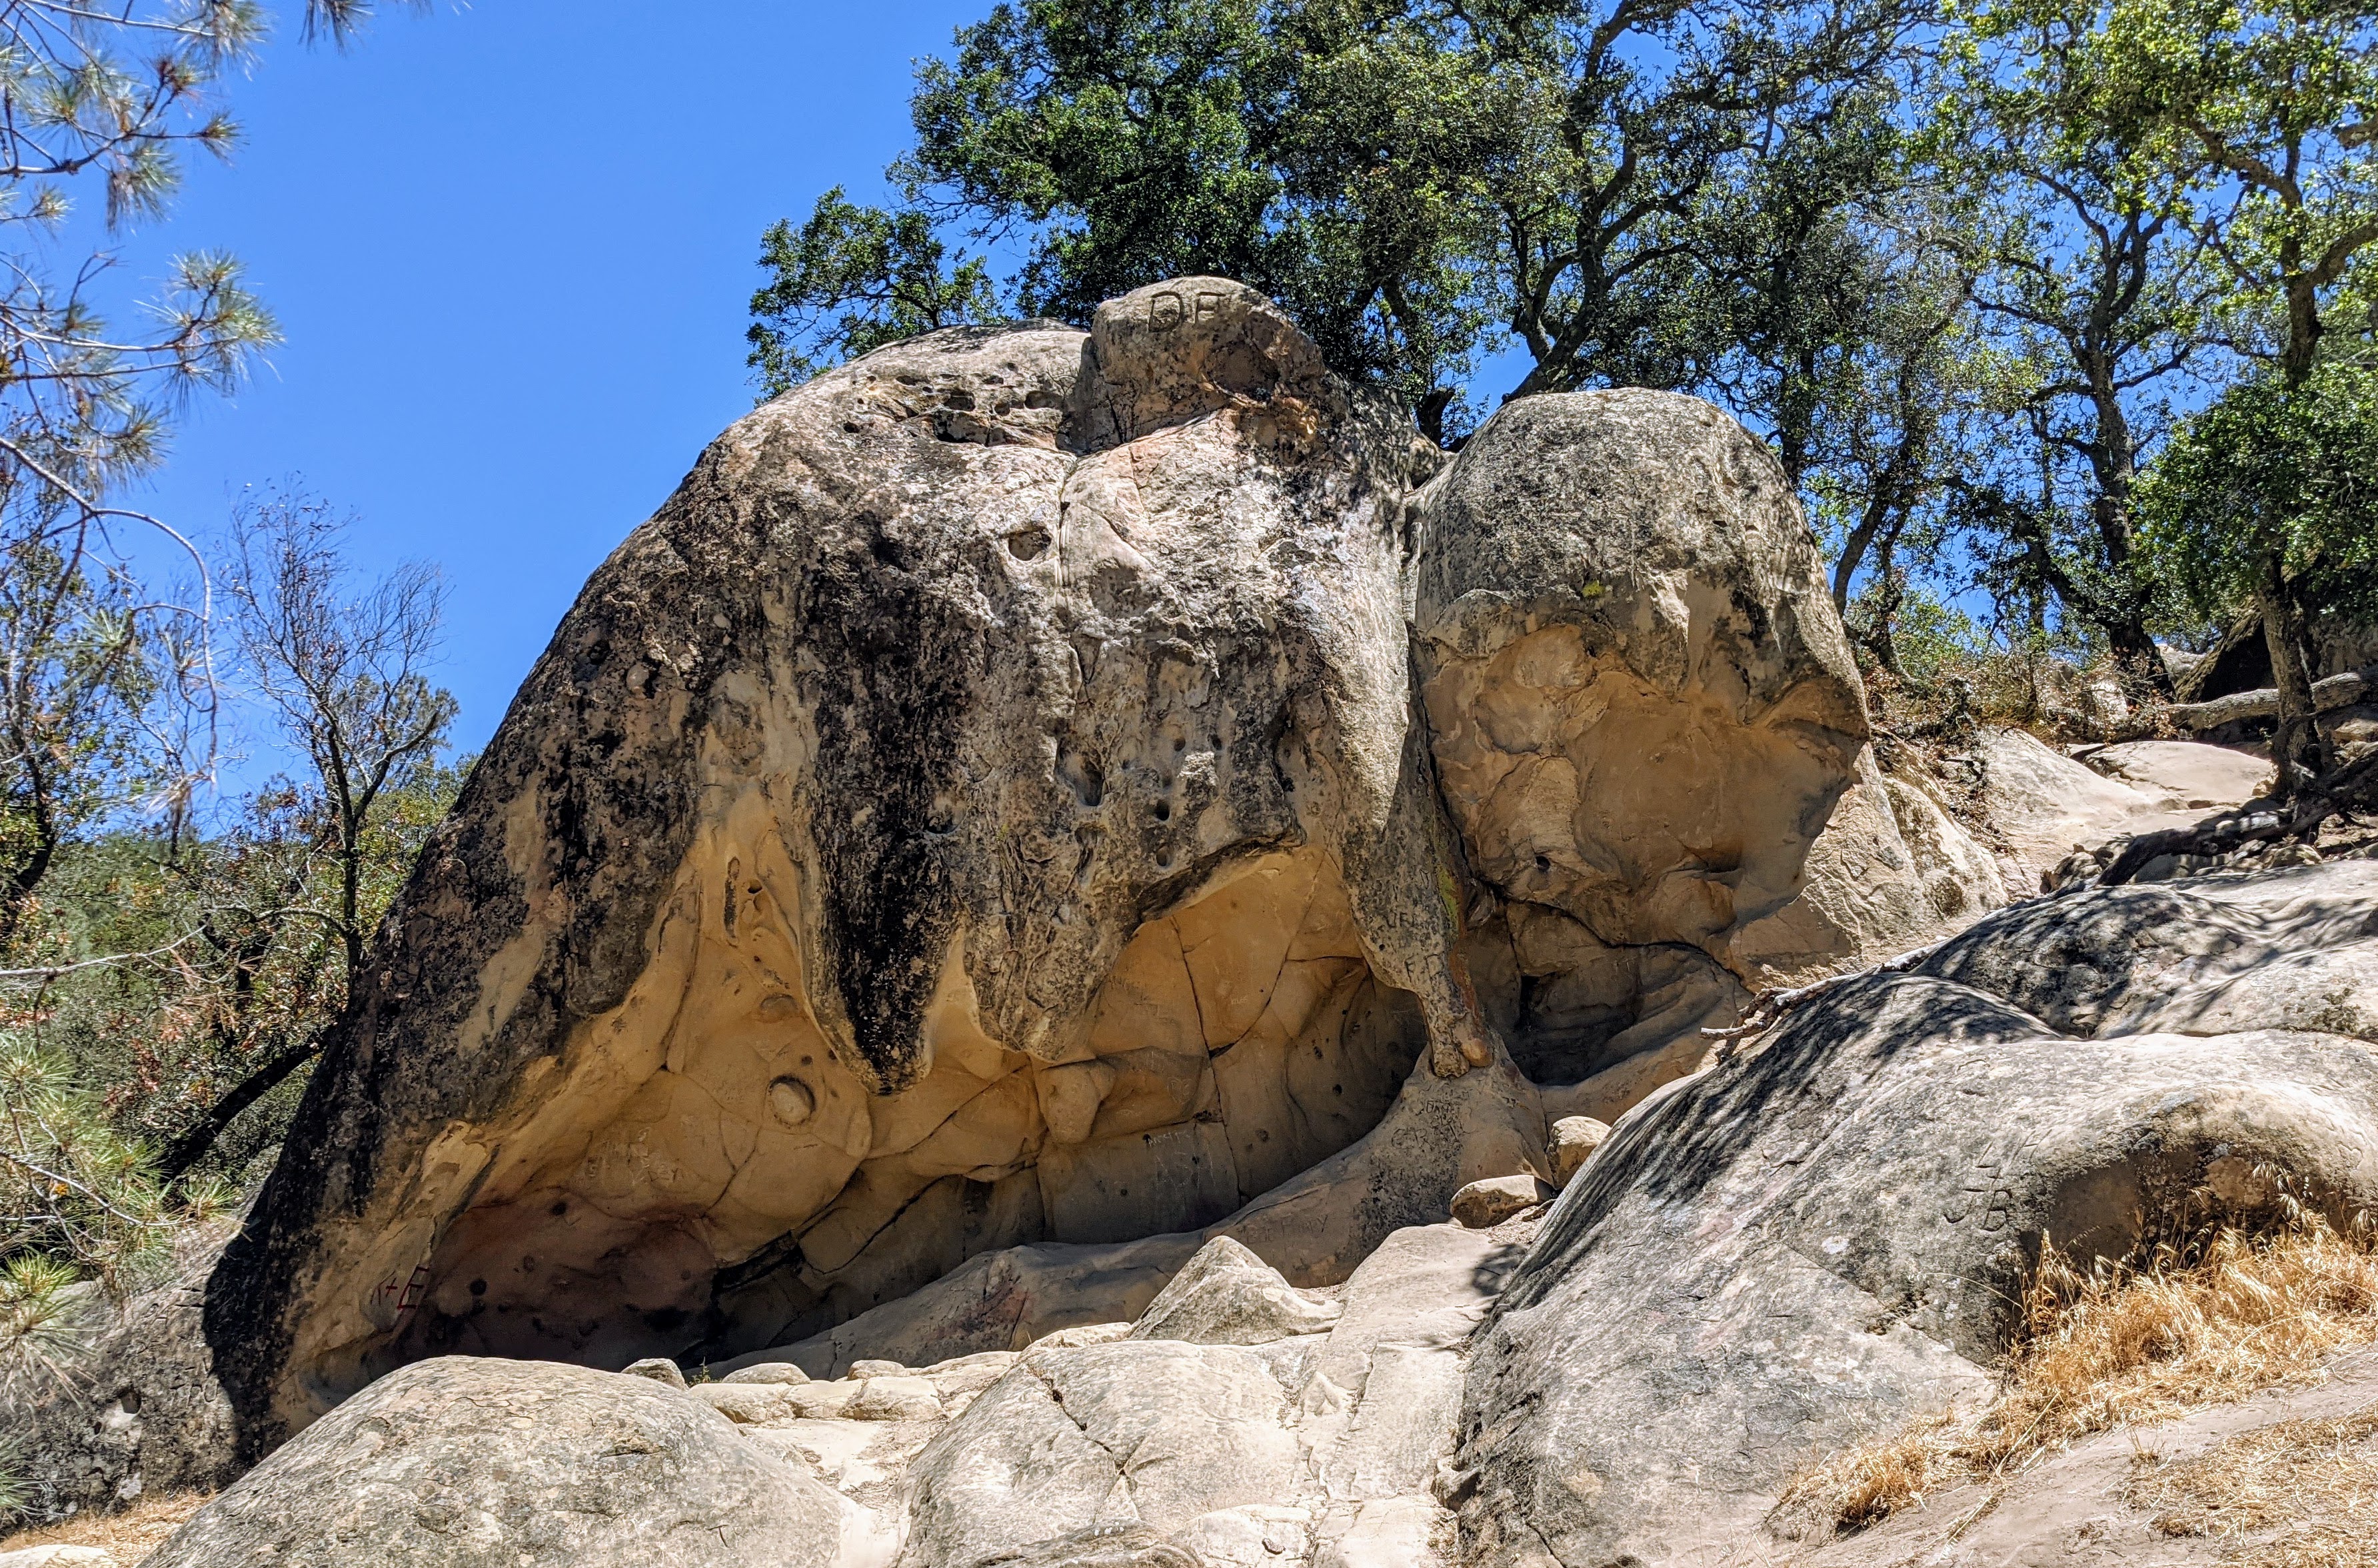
x: 1828, y: 1235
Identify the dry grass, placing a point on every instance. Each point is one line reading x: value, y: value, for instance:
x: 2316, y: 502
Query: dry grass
x: 2315, y: 1483
x: 130, y: 1535
x: 2116, y: 1348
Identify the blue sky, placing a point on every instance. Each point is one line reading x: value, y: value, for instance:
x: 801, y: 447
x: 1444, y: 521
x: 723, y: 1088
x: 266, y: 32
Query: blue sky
x: 511, y: 248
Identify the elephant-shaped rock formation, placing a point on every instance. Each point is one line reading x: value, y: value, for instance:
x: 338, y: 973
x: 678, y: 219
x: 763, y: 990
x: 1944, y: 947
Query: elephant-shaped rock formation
x: 1036, y: 789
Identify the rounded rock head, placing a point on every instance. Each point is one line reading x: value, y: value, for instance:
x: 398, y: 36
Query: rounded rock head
x: 1642, y: 702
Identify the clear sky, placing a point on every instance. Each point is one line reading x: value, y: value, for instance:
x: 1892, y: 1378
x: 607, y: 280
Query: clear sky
x: 511, y: 247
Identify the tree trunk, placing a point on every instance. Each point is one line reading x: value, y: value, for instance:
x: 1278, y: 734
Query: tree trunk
x: 2144, y: 673
x: 193, y: 1144
x: 17, y: 892
x: 2296, y: 746
x: 2304, y: 327
x: 1430, y: 413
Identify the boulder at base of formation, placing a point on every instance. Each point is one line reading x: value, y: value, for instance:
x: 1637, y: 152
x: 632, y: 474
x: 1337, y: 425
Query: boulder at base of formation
x: 478, y: 1462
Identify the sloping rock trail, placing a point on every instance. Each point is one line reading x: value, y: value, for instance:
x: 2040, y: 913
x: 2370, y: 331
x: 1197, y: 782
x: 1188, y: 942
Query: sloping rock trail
x: 1841, y: 1217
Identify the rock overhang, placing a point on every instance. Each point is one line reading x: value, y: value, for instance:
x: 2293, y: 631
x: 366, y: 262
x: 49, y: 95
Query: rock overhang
x: 1003, y: 798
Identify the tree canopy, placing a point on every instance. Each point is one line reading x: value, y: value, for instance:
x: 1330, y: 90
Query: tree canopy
x: 1967, y: 264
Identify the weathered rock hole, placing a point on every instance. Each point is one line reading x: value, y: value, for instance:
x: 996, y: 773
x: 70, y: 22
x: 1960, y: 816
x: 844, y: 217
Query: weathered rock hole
x: 1087, y: 779
x: 790, y: 1101
x: 1030, y: 543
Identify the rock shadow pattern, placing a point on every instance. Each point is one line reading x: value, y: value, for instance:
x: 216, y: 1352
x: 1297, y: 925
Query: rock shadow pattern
x: 1829, y: 1235
x: 988, y: 805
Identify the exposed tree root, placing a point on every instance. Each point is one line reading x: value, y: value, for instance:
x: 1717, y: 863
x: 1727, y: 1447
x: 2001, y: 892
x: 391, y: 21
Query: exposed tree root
x: 2353, y: 787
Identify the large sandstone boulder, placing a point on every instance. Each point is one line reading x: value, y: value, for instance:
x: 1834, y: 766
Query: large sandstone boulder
x: 1826, y: 1235
x: 986, y: 816
x: 1659, y: 614
x: 980, y: 809
x: 479, y: 1462
x: 1662, y: 612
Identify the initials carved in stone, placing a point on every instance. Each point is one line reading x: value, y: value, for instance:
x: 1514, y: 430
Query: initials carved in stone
x: 1985, y: 1195
x: 1168, y: 308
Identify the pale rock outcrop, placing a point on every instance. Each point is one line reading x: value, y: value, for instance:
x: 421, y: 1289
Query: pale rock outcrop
x: 1891, y: 872
x: 980, y: 809
x: 1153, y: 1432
x: 660, y: 1369
x: 2044, y: 805
x: 463, y: 1461
x: 2291, y: 949
x: 1319, y: 1448
x: 1662, y: 612
x: 1961, y: 879
x: 1016, y: 909
x: 2183, y: 775
x: 1485, y: 1204
x: 764, y: 1372
x: 1613, y: 591
x: 1573, y: 1142
x: 1228, y: 1296
x: 1823, y: 1236
x: 1084, y: 1333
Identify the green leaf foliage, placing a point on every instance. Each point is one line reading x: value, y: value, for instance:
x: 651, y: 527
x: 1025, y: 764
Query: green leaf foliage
x: 2273, y: 470
x: 1416, y: 183
x: 852, y: 279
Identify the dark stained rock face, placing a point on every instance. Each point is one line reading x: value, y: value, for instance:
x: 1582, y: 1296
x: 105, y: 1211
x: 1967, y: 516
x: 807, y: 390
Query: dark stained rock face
x: 991, y: 804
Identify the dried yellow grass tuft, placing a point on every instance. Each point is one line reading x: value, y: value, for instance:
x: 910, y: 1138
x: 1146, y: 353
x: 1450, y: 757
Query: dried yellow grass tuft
x: 130, y: 1535
x: 2113, y: 1348
x: 2315, y: 1483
